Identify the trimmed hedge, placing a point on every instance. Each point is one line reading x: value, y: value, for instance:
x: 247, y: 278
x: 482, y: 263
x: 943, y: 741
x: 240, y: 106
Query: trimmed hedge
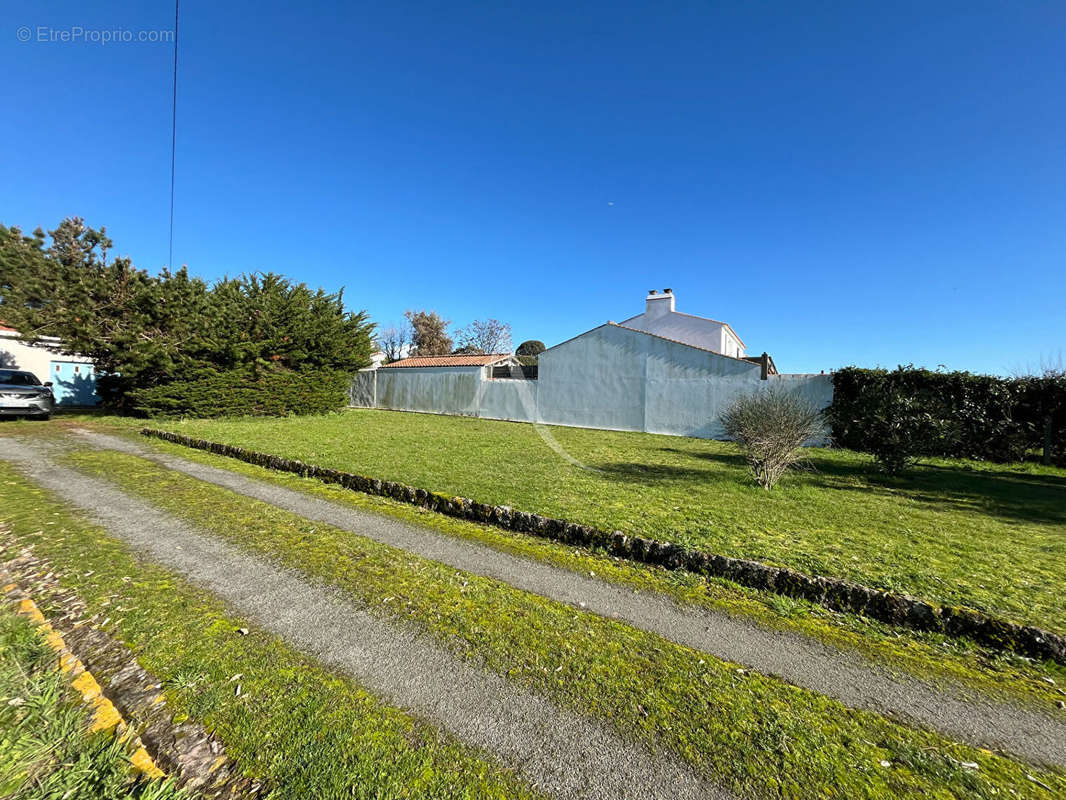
x: 950, y: 414
x: 834, y: 593
x: 226, y: 394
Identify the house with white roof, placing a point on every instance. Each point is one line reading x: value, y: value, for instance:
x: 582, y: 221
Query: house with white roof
x: 661, y: 318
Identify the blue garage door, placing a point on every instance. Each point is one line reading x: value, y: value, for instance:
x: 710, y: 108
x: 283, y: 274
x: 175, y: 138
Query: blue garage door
x: 74, y: 384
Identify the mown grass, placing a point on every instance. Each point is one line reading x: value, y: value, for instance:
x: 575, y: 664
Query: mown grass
x: 757, y: 735
x: 304, y: 731
x: 926, y: 655
x: 46, y: 750
x: 992, y: 537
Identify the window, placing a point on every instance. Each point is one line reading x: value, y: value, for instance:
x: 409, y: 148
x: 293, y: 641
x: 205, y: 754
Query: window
x: 14, y: 378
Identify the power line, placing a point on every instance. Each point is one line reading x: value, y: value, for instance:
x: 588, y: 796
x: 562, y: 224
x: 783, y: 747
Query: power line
x: 173, y: 135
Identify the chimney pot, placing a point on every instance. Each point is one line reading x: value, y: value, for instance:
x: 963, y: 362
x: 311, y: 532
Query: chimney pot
x: 668, y: 291
x: 658, y: 305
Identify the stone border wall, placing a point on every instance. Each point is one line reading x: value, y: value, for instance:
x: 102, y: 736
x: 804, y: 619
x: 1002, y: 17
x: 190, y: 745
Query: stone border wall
x: 833, y: 593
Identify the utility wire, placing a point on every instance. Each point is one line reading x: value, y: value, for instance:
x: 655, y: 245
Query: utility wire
x: 173, y: 135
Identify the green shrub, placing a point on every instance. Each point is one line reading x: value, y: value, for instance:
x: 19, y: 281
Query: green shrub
x: 240, y: 393
x: 901, y: 430
x: 907, y: 413
x: 771, y: 427
x: 530, y: 347
x: 528, y: 353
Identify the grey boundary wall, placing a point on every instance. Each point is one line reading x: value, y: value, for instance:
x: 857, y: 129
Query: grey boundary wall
x: 833, y: 593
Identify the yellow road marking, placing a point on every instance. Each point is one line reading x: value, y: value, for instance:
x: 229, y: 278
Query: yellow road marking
x: 105, y: 717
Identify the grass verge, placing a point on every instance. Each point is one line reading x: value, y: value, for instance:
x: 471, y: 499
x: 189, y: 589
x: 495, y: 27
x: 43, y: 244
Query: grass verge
x: 757, y: 735
x: 303, y: 730
x: 46, y: 751
x: 953, y: 532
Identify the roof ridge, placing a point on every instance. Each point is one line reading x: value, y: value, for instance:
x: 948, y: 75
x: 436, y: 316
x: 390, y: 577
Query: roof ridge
x: 678, y: 341
x: 690, y: 316
x: 450, y: 359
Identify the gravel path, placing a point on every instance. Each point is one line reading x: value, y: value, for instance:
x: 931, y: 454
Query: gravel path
x: 962, y: 715
x: 560, y: 752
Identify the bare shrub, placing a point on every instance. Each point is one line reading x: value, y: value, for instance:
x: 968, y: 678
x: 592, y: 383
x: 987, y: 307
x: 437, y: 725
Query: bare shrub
x: 771, y: 427
x: 486, y: 336
x: 393, y: 340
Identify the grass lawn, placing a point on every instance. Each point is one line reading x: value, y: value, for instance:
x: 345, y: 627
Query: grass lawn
x: 759, y: 736
x: 46, y: 750
x: 988, y: 536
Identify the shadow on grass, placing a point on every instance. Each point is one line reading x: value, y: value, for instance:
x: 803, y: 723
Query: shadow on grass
x: 1051, y: 481
x: 734, y: 460
x: 628, y: 471
x: 73, y: 413
x: 1004, y: 493
x: 1007, y: 494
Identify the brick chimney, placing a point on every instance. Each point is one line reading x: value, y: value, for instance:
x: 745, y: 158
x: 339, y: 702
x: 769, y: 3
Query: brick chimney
x: 658, y: 305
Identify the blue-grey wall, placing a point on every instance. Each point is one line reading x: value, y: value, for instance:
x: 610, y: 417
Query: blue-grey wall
x: 610, y: 377
x: 595, y: 380
x: 443, y: 390
x: 509, y: 399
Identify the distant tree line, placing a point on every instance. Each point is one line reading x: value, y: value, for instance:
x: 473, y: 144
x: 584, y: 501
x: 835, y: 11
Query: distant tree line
x: 425, y: 333
x: 170, y: 334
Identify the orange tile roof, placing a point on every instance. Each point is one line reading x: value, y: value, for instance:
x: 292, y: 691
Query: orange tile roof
x: 447, y: 361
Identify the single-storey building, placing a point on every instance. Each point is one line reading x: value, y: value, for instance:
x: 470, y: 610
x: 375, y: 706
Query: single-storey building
x: 428, y: 383
x: 662, y: 371
x: 73, y: 377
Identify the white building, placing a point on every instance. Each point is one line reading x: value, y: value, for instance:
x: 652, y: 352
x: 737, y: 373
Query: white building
x: 73, y: 377
x: 661, y: 319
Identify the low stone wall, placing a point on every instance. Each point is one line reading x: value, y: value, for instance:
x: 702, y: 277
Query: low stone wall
x: 833, y: 593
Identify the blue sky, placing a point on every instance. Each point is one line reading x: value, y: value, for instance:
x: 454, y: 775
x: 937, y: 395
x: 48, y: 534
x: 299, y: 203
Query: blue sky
x: 842, y: 182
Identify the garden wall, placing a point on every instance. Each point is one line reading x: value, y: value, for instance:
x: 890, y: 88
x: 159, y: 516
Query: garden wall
x: 610, y: 378
x: 453, y: 390
x: 362, y: 393
x: 509, y: 399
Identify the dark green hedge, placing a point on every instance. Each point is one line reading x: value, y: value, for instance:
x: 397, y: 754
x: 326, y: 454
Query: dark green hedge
x: 955, y: 414
x: 226, y: 394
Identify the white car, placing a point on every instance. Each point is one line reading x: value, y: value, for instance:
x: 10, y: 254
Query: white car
x: 23, y: 395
